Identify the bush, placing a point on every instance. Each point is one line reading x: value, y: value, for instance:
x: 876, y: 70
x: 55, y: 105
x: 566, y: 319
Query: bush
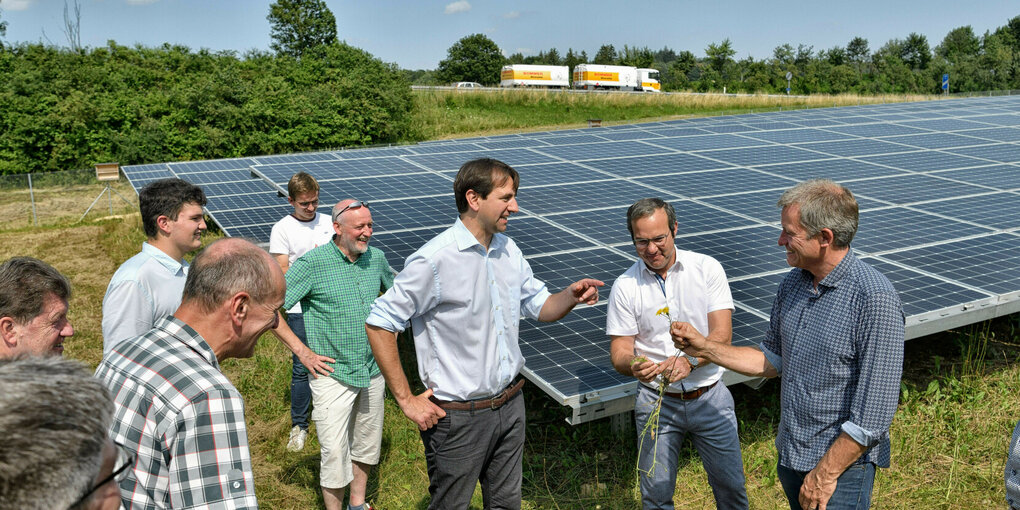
x: 65, y: 109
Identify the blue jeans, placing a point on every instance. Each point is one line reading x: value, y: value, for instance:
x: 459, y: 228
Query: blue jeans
x: 853, y: 488
x: 712, y: 424
x: 300, y: 394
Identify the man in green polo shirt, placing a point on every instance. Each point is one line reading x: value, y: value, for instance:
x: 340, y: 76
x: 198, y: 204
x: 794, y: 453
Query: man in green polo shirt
x: 336, y: 284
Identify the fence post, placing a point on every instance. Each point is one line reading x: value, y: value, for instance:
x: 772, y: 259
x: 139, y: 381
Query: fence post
x: 31, y: 196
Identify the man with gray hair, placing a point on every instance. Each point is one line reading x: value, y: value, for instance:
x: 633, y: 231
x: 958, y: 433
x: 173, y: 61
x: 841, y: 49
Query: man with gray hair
x: 836, y: 335
x: 33, y: 308
x: 54, y: 419
x: 336, y: 283
x: 174, y: 408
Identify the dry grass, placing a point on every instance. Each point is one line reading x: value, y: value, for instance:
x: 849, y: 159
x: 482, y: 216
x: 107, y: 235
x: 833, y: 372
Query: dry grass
x: 454, y: 114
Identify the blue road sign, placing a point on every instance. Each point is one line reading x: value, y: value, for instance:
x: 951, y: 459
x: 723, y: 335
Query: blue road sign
x: 945, y: 81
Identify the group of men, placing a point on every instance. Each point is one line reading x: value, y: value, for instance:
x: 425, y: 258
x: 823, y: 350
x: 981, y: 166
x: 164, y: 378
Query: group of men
x: 159, y: 425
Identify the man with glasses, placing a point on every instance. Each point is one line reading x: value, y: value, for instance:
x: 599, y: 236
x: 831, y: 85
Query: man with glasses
x: 836, y: 336
x: 55, y: 453
x: 292, y: 237
x: 666, y: 285
x: 174, y: 409
x: 463, y: 293
x: 335, y: 283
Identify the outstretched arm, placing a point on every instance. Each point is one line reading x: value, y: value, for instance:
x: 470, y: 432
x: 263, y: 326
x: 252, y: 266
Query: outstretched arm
x: 743, y: 359
x: 418, y: 408
x: 561, y: 303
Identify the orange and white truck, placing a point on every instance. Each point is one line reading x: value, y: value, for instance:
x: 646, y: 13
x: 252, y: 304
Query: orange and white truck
x: 525, y: 75
x: 596, y: 76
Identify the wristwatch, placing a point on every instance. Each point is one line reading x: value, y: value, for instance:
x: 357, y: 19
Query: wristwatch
x: 692, y: 360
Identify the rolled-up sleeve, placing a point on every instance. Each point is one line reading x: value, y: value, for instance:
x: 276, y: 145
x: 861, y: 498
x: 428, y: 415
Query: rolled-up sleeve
x: 880, y: 348
x: 533, y: 291
x: 415, y: 290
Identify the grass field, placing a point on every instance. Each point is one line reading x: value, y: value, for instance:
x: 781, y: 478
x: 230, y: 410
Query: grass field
x: 454, y: 114
x: 959, y: 398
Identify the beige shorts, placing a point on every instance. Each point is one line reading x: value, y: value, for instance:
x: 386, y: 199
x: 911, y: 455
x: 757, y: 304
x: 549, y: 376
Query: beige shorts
x: 348, y: 423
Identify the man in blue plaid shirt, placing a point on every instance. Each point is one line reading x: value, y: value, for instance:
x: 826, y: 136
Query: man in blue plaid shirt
x: 174, y: 409
x: 836, y: 335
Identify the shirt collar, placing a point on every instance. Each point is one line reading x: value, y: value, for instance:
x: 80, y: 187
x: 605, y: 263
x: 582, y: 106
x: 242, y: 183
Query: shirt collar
x: 339, y: 253
x: 164, y: 260
x: 840, y: 272
x: 190, y: 338
x: 465, y: 239
x: 675, y: 268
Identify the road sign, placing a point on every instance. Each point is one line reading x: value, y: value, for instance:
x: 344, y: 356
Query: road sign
x: 945, y: 82
x: 789, y: 75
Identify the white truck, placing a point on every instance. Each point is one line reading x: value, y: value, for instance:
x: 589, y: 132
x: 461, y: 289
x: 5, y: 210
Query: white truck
x: 595, y: 76
x: 525, y: 75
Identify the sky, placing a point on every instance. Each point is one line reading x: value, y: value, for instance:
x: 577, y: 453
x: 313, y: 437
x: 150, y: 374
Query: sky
x: 416, y: 34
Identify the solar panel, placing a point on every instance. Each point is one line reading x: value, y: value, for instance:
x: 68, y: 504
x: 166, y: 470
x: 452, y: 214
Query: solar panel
x: 938, y: 184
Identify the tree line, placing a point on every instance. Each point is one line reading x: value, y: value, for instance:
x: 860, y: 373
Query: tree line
x: 68, y: 108
x: 990, y: 61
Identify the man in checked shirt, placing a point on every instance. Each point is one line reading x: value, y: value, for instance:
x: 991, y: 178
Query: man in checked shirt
x: 836, y: 336
x: 173, y: 408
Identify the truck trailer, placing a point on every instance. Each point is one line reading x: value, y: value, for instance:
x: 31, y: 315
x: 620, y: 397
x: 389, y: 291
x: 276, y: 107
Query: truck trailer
x: 524, y: 75
x: 595, y: 76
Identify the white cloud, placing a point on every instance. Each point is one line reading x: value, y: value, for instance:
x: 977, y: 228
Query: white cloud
x: 16, y: 5
x: 512, y: 15
x: 458, y: 6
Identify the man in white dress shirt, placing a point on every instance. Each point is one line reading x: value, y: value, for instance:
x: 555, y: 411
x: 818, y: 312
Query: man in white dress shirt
x: 463, y: 293
x: 148, y: 286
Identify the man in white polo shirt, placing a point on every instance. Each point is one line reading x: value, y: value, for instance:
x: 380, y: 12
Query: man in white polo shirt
x: 292, y: 237
x: 668, y: 284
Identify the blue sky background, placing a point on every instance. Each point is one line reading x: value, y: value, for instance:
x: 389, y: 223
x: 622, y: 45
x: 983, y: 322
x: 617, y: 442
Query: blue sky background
x: 416, y: 33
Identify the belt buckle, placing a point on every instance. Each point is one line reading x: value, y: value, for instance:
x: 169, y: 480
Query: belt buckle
x: 493, y: 402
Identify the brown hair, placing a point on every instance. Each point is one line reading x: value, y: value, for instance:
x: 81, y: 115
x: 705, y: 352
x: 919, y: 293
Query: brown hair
x: 481, y: 175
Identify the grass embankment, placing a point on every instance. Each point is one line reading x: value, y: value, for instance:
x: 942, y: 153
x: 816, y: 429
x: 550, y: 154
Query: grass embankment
x: 949, y: 435
x: 454, y: 114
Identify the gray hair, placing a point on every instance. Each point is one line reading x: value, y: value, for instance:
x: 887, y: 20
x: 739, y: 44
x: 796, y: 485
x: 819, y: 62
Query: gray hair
x: 824, y: 204
x: 54, y: 421
x: 647, y: 207
x: 24, y: 284
x: 226, y: 267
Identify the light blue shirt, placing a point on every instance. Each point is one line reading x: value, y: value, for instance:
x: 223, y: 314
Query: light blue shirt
x: 464, y: 305
x: 145, y: 288
x: 1013, y: 470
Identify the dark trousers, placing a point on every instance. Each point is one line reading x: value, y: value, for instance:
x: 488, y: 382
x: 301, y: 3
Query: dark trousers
x: 853, y: 487
x: 483, y: 445
x: 300, y: 393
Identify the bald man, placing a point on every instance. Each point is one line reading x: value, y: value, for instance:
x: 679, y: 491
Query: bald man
x: 336, y: 283
x: 174, y: 409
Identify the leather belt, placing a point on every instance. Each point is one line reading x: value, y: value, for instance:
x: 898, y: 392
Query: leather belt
x: 691, y: 395
x: 495, y: 402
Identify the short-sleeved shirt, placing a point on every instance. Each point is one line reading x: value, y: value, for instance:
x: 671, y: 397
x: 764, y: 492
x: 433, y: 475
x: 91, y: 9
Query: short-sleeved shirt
x: 464, y: 304
x: 840, y: 351
x: 184, y: 420
x: 293, y: 238
x: 336, y: 296
x: 695, y: 285
x: 145, y: 288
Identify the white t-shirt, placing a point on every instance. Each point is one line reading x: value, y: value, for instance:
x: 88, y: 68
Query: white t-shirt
x: 293, y: 237
x: 694, y: 286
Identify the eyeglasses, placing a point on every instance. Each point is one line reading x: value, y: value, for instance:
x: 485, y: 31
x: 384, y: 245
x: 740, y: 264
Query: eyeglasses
x: 353, y: 205
x: 117, y: 474
x: 658, y: 240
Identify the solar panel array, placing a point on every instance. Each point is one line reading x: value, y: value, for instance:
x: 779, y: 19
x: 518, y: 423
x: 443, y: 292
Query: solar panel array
x: 938, y: 183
